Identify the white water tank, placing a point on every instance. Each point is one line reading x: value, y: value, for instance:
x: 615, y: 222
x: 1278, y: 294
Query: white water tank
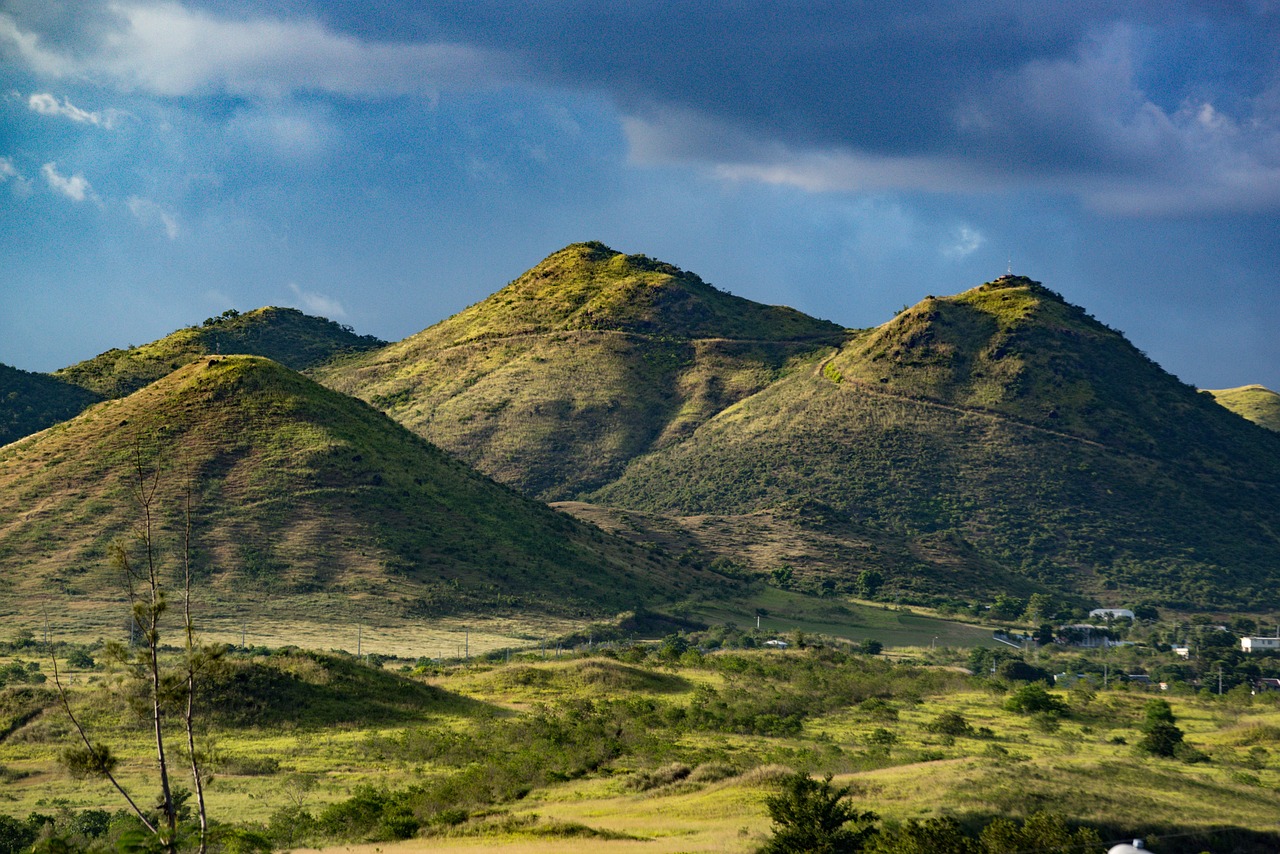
x: 1126, y: 848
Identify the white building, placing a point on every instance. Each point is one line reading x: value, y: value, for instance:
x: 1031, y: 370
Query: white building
x: 1260, y: 644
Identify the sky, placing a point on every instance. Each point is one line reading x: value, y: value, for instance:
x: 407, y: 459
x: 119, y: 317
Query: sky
x: 385, y: 164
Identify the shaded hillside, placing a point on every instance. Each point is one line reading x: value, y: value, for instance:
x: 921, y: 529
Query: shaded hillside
x: 586, y: 361
x: 1017, y: 425
x: 1258, y: 403
x: 302, y: 491
x: 30, y: 402
x: 285, y: 335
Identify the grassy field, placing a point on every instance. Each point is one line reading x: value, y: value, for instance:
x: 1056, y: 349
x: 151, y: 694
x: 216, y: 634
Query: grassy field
x: 657, y: 749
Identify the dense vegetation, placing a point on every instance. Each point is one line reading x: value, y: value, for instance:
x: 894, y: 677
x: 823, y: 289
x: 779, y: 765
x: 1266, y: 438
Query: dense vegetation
x: 302, y: 492
x: 692, y: 739
x: 30, y: 402
x: 586, y: 361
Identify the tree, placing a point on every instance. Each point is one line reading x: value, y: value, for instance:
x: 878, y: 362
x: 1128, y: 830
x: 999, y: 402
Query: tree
x: 1161, y: 735
x: 812, y: 816
x: 869, y: 582
x: 141, y: 570
x: 1033, y: 698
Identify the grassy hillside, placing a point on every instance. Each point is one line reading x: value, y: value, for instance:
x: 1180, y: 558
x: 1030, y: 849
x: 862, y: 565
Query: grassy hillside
x: 1017, y: 428
x: 586, y: 361
x: 1259, y: 404
x: 302, y: 495
x: 30, y: 402
x: 285, y: 335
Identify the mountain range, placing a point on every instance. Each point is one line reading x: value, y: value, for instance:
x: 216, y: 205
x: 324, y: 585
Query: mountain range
x: 998, y: 440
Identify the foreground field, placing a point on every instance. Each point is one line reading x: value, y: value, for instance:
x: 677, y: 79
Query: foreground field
x: 659, y: 748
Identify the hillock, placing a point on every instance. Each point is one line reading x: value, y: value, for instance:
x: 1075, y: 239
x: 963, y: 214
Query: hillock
x: 1013, y: 425
x: 301, y: 495
x: 1257, y: 403
x: 586, y: 361
x: 284, y: 335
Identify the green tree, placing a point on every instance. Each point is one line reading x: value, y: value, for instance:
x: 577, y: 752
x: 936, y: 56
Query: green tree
x: 942, y: 835
x: 1042, y: 831
x: 869, y: 582
x: 814, y: 817
x: 1161, y: 735
x: 1032, y: 698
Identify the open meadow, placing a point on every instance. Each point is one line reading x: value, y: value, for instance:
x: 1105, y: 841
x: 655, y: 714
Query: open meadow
x: 666, y: 746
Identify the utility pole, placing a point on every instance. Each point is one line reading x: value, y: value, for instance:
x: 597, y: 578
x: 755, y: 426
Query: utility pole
x: 359, y: 638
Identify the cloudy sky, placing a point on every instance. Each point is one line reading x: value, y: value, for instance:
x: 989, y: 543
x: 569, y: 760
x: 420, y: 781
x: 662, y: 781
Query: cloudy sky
x: 386, y: 164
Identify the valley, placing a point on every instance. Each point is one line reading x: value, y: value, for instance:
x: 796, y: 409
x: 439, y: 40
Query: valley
x: 604, y: 560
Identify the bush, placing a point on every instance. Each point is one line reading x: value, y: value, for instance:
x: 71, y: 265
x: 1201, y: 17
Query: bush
x: 643, y: 781
x: 950, y: 723
x: 1160, y: 739
x: 1033, y: 699
x: 812, y: 817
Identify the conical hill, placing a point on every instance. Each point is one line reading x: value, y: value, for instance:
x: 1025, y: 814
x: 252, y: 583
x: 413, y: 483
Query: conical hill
x: 1011, y: 422
x: 300, y: 491
x: 285, y: 335
x: 586, y: 361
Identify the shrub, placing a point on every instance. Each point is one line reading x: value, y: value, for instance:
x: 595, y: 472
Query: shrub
x: 643, y: 781
x: 813, y: 817
x: 1033, y: 699
x: 950, y: 723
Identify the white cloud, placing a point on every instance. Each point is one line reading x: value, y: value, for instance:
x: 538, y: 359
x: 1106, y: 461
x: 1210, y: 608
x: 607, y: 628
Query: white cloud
x: 9, y: 173
x: 964, y: 242
x: 76, y: 187
x: 47, y: 105
x: 168, y: 49
x: 150, y: 213
x: 318, y: 304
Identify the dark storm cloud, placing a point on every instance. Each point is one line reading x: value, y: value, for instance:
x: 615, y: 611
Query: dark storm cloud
x: 1134, y: 107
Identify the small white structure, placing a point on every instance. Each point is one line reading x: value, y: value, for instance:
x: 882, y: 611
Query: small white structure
x: 1182, y: 651
x: 777, y: 644
x: 1260, y: 644
x: 1125, y: 848
x: 1111, y: 613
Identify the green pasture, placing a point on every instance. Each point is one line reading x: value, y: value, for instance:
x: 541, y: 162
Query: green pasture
x: 644, y: 749
x: 785, y: 613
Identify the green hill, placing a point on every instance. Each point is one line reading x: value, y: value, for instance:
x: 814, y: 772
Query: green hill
x: 30, y: 402
x: 301, y: 492
x: 1259, y: 404
x: 586, y: 361
x: 1013, y: 425
x: 285, y: 335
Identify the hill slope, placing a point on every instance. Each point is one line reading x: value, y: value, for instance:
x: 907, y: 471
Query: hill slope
x: 586, y: 361
x: 285, y: 335
x: 1015, y: 424
x: 1258, y: 403
x: 30, y: 402
x: 301, y: 492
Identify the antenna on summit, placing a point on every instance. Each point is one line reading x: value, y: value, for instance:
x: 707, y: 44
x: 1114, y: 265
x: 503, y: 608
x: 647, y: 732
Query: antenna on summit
x: 1009, y: 271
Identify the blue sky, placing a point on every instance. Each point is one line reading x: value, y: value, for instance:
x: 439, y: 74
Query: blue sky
x: 387, y: 164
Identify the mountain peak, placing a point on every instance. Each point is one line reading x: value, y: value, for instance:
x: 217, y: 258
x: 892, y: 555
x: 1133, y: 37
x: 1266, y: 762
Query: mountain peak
x: 589, y: 286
